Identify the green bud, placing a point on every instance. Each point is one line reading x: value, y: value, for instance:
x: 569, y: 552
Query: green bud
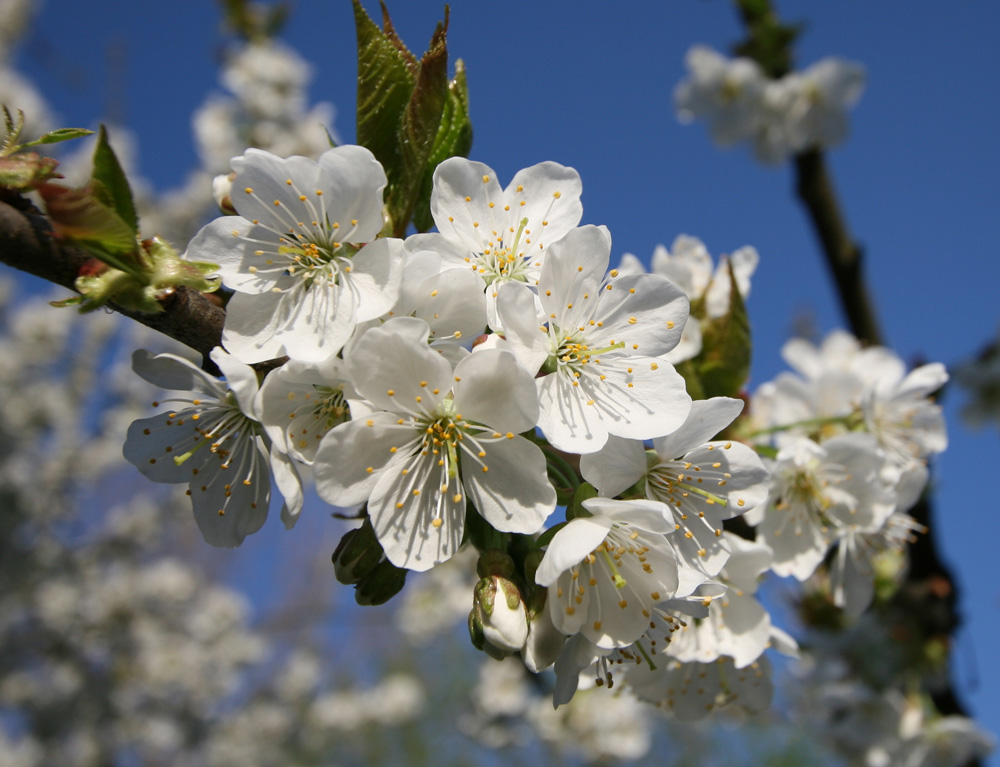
x: 26, y: 171
x: 495, y: 562
x: 380, y: 585
x: 357, y: 554
x: 498, y: 623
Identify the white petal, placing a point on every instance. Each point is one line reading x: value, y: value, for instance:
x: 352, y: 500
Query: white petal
x: 168, y: 371
x: 388, y: 368
x: 152, y: 443
x: 574, y: 267
x: 706, y: 420
x: 270, y: 199
x: 347, y: 453
x: 569, y: 546
x: 456, y: 217
x: 250, y: 327
x: 616, y: 467
x: 418, y: 525
x: 517, y: 316
x: 651, y: 516
x: 241, y: 379
x: 352, y: 181
x: 646, y: 311
x: 492, y: 389
x: 229, y: 241
x: 243, y: 506
x: 286, y: 477
x: 515, y: 494
x: 375, y: 276
x: 317, y: 321
x: 551, y: 194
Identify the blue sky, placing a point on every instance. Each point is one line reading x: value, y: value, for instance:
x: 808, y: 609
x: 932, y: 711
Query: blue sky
x: 589, y: 83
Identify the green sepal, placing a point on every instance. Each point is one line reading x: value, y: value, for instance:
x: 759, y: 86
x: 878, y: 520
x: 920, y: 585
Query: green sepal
x: 724, y: 362
x: 56, y: 136
x: 164, y: 271
x: 12, y: 130
x: 481, y: 533
x: 109, y: 184
x: 584, y: 492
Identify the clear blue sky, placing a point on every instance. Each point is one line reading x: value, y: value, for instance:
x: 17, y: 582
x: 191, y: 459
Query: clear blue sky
x: 589, y: 83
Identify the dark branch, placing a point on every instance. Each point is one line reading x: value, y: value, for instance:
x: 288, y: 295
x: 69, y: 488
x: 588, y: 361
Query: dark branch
x: 843, y: 256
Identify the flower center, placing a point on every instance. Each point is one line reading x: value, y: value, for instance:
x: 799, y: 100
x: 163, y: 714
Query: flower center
x: 320, y: 413
x: 501, y: 260
x: 571, y: 353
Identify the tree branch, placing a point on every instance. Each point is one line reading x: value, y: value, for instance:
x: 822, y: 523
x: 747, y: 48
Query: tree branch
x: 27, y: 242
x: 926, y: 604
x: 844, y: 257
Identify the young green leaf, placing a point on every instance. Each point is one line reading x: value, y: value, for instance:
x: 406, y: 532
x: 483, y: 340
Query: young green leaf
x: 82, y: 216
x: 419, y: 127
x: 454, y: 139
x: 385, y: 82
x: 60, y: 134
x: 110, y: 185
x: 724, y: 362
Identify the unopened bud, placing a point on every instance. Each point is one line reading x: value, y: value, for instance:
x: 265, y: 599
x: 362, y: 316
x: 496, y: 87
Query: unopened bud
x: 498, y: 623
x: 357, y: 554
x: 495, y: 562
x: 222, y: 191
x: 380, y: 585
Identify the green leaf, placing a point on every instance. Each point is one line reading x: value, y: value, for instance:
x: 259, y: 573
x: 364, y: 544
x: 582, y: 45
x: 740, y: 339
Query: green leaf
x: 80, y: 215
x: 390, y: 33
x: 724, y: 362
x: 385, y: 82
x: 60, y: 134
x: 110, y: 185
x: 419, y: 127
x: 689, y: 372
x: 454, y: 139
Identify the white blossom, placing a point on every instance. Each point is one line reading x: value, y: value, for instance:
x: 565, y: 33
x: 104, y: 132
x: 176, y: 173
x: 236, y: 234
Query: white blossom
x: 435, y: 436
x: 600, y: 346
x: 297, y: 255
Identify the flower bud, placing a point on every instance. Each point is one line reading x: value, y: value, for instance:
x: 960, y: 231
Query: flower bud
x: 380, y: 585
x: 357, y: 554
x: 498, y: 623
x: 495, y: 562
x: 222, y: 190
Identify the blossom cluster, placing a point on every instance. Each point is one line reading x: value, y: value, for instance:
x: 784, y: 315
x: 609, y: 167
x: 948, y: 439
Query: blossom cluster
x: 852, y: 431
x: 460, y: 372
x: 387, y: 403
x: 780, y: 117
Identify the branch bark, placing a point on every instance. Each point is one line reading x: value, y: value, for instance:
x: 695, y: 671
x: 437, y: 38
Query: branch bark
x: 843, y: 256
